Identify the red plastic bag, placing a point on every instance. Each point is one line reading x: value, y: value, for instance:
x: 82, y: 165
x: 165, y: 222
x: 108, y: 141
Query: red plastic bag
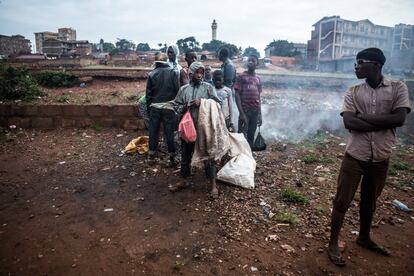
x: 186, y: 128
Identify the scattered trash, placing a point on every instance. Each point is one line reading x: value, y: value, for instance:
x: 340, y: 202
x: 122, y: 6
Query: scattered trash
x: 82, y: 85
x: 254, y: 269
x: 139, y: 145
x: 272, y: 237
x: 355, y: 232
x: 108, y: 209
x: 12, y: 126
x: 342, y: 144
x: 401, y: 206
x: 288, y: 248
x: 119, y: 135
x: 62, y: 162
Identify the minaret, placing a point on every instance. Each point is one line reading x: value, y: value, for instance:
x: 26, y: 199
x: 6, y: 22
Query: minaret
x: 214, y: 30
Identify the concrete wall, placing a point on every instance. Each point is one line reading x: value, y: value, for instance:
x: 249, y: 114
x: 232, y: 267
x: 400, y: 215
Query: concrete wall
x: 69, y: 116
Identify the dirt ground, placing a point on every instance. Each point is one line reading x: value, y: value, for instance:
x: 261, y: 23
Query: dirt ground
x: 71, y: 203
x: 99, y: 91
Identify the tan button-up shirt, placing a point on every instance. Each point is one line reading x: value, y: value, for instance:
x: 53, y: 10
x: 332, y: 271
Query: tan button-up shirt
x: 362, y: 98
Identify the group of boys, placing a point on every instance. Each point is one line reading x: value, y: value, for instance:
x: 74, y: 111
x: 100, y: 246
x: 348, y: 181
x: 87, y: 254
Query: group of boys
x: 172, y: 90
x: 371, y: 112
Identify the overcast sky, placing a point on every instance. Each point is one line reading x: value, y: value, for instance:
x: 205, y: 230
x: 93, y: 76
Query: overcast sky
x: 243, y: 22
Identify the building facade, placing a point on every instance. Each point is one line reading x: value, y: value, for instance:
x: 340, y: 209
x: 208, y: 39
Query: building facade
x: 41, y: 37
x: 15, y: 44
x: 335, y: 42
x: 62, y: 43
x: 402, y: 53
x: 66, y: 34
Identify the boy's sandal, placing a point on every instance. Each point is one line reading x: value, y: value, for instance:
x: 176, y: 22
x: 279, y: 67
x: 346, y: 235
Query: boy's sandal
x: 374, y: 247
x: 336, y: 259
x: 178, y: 186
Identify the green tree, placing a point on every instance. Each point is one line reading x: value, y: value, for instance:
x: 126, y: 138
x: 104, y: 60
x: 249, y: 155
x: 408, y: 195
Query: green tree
x: 282, y: 48
x: 234, y: 50
x: 108, y: 47
x: 251, y: 51
x: 188, y: 43
x: 143, y: 47
x: 114, y: 51
x: 213, y: 46
x: 125, y: 45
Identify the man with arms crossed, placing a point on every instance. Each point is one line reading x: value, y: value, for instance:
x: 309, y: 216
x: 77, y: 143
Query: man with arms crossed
x: 371, y: 112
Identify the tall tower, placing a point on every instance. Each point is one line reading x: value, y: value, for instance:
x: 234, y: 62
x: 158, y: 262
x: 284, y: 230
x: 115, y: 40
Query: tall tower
x: 214, y: 30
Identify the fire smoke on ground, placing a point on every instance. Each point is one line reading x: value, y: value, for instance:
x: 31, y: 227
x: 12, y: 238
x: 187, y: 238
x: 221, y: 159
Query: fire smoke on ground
x: 293, y: 115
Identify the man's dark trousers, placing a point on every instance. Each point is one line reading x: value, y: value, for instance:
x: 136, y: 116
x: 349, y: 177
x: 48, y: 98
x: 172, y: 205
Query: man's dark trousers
x: 249, y: 129
x: 167, y: 118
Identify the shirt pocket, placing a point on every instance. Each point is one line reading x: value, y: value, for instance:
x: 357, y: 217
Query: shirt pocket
x: 386, y: 103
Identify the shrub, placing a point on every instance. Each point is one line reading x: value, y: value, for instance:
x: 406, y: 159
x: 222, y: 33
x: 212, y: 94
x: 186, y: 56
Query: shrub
x: 287, y: 217
x: 56, y: 79
x: 401, y: 166
x: 18, y: 84
x: 313, y: 158
x: 294, y: 197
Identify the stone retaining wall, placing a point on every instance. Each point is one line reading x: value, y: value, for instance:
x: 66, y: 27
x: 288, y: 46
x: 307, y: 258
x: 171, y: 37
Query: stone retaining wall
x: 68, y: 116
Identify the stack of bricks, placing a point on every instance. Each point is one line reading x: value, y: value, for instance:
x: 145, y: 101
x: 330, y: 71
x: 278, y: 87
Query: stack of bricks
x: 69, y: 116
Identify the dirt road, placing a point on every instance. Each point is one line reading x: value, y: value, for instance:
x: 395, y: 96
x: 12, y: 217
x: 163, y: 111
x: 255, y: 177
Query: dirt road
x: 72, y: 204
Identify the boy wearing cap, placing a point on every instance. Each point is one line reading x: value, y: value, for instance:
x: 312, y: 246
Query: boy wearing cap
x: 189, y: 97
x: 162, y: 87
x: 371, y: 112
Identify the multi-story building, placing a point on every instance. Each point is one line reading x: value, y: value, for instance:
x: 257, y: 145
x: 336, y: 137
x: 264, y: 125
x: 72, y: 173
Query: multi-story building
x: 41, y: 37
x: 402, y: 54
x: 66, y: 34
x: 62, y: 43
x: 335, y: 42
x: 15, y: 44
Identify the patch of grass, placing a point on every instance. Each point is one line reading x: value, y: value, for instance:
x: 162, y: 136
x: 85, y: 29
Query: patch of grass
x: 87, y: 99
x: 289, y: 195
x: 309, y: 159
x: 313, y: 158
x: 63, y: 99
x: 177, y: 266
x: 392, y: 171
x: 401, y: 166
x: 398, y: 166
x: 96, y: 126
x: 320, y: 210
x: 287, y: 217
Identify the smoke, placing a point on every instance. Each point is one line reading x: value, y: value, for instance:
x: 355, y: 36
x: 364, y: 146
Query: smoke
x: 293, y: 115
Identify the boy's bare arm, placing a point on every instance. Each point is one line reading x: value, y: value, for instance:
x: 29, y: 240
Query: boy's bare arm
x: 384, y: 121
x: 352, y: 122
x: 239, y: 107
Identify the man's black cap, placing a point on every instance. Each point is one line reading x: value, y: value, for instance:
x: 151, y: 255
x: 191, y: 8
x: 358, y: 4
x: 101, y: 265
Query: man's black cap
x: 372, y: 54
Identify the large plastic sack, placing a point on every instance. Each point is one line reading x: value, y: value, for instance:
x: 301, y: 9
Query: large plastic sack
x: 239, y: 171
x: 186, y: 128
x: 140, y: 145
x: 239, y: 145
